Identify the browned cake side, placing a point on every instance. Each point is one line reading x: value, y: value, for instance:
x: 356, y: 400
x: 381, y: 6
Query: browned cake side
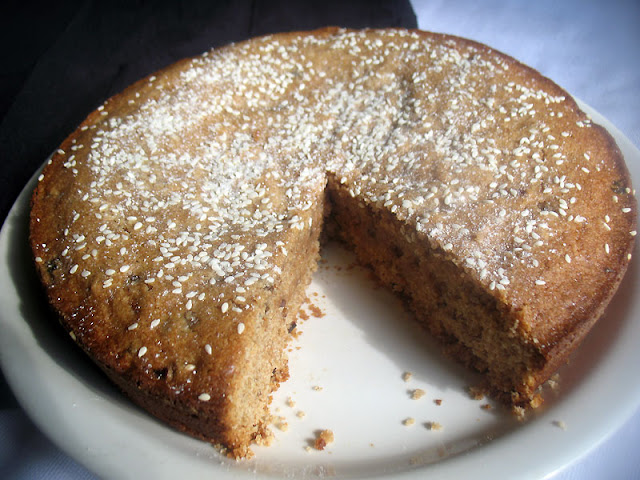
x: 176, y: 229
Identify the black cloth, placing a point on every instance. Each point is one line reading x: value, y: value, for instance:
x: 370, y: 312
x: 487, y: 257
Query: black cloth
x: 61, y: 61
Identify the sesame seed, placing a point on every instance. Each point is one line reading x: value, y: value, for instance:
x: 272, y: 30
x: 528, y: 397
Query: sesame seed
x: 606, y: 247
x: 204, y: 397
x: 225, y: 307
x: 207, y: 348
x: 154, y: 323
x: 110, y: 271
x: 124, y: 268
x: 540, y: 282
x: 240, y: 327
x: 133, y: 326
x: 142, y: 351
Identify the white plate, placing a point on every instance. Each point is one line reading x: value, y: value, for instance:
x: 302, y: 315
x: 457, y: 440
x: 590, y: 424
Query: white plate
x: 356, y: 353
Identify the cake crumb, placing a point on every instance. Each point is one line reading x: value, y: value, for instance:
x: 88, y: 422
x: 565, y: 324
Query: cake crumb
x: 406, y: 376
x: 560, y: 424
x: 281, y: 423
x: 536, y: 401
x: 408, y: 421
x: 315, y: 311
x: 264, y: 438
x: 317, y: 388
x: 486, y: 406
x: 438, y: 401
x: 554, y: 382
x: 300, y: 414
x: 519, y: 412
x: 435, y: 426
x: 417, y: 394
x: 291, y: 402
x: 476, y: 393
x: 323, y: 438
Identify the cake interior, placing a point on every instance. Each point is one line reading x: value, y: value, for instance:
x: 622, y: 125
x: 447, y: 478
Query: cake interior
x: 264, y: 357
x: 474, y: 327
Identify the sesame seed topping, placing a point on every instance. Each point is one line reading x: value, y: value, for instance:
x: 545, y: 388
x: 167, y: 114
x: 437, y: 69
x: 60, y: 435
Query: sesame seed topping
x: 240, y: 327
x: 208, y: 349
x: 204, y: 397
x: 142, y: 351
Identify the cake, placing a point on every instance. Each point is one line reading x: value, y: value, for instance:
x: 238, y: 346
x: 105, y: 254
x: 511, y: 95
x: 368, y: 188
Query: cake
x: 176, y: 229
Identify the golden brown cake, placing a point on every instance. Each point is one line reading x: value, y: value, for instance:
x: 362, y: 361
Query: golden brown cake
x: 176, y: 229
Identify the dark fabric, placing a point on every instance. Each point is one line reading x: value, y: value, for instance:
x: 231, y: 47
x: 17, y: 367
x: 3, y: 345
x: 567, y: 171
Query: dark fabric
x: 59, y: 62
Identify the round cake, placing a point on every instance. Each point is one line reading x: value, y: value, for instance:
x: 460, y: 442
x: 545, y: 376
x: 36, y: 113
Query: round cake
x: 176, y: 229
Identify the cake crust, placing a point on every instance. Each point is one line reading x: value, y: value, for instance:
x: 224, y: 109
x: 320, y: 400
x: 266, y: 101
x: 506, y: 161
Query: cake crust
x: 175, y: 229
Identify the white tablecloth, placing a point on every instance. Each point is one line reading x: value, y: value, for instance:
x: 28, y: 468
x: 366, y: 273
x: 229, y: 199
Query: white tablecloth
x: 589, y: 48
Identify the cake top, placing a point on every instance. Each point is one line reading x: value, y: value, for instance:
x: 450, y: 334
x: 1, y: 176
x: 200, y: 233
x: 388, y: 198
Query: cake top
x: 192, y: 181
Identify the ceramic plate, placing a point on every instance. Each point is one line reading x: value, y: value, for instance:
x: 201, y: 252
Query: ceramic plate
x: 347, y: 370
